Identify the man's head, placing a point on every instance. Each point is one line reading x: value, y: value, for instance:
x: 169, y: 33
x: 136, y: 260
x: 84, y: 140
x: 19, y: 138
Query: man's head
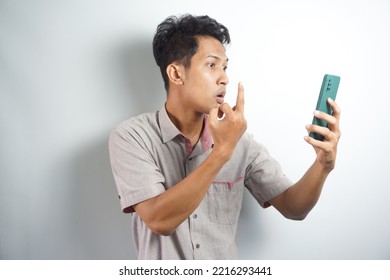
x: 176, y: 40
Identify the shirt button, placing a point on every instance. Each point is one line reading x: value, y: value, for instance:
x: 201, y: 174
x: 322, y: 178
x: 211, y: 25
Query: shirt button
x: 197, y: 246
x: 195, y: 216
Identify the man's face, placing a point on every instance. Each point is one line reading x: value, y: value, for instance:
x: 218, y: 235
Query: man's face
x: 205, y: 80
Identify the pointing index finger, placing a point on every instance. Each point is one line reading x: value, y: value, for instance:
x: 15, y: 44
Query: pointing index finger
x: 240, y: 98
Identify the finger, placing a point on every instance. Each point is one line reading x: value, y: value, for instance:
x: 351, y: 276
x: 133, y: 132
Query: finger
x: 336, y: 114
x: 240, y: 98
x: 224, y: 109
x: 213, y: 115
x: 325, y: 117
x: 335, y: 108
x: 323, y: 131
x: 316, y: 143
x: 331, y: 120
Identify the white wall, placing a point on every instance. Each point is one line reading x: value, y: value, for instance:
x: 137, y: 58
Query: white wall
x: 71, y: 70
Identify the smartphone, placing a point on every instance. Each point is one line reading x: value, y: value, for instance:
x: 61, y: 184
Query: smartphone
x: 329, y: 87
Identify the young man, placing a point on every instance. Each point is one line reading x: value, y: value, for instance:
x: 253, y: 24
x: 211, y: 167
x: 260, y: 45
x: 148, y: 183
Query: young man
x: 182, y: 171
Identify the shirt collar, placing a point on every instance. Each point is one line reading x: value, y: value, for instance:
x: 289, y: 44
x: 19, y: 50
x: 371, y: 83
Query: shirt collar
x: 170, y: 131
x: 205, y: 139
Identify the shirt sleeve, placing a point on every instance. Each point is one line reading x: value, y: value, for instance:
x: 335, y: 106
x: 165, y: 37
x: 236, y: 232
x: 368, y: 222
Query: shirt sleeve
x: 135, y: 172
x: 264, y: 176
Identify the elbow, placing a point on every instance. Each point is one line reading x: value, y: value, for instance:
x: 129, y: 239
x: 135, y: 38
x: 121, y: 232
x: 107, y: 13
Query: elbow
x: 296, y: 212
x: 154, y: 219
x: 161, y: 228
x: 162, y: 231
x: 295, y: 215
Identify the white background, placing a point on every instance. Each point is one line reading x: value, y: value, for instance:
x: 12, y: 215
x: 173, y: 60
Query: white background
x: 71, y: 70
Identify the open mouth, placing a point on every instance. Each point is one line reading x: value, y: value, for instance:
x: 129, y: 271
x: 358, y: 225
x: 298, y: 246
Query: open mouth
x: 221, y: 98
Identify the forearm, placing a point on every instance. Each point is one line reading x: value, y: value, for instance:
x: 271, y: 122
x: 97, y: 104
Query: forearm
x: 301, y: 197
x: 164, y: 213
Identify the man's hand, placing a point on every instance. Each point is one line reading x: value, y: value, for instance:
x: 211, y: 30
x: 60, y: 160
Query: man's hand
x: 326, y: 150
x: 227, y: 131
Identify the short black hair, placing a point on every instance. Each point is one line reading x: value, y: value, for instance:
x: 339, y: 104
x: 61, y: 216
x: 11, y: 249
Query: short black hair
x: 175, y: 39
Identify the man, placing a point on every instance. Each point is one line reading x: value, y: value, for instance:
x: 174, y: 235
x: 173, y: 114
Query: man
x: 181, y: 171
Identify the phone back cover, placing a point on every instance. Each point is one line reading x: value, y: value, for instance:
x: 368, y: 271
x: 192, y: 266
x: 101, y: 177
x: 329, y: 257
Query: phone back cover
x: 329, y: 88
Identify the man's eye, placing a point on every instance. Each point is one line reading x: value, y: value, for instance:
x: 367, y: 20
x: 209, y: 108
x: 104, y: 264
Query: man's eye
x: 211, y: 65
x: 225, y: 68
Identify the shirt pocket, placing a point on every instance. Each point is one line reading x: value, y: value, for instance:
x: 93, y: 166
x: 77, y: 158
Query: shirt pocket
x: 225, y: 200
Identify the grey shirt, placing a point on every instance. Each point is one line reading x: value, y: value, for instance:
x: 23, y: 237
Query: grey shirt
x: 150, y: 155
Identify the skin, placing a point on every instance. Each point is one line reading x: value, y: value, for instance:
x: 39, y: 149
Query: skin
x: 198, y: 90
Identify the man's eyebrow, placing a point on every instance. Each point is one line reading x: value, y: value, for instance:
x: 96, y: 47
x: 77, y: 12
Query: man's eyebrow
x: 216, y: 57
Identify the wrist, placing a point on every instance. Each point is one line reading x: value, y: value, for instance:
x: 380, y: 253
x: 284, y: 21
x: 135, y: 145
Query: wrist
x: 325, y: 167
x: 221, y: 155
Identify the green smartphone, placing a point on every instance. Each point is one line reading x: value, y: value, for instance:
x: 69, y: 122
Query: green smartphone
x: 329, y: 87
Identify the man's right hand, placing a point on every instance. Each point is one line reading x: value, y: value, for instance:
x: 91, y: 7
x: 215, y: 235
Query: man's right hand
x: 226, y: 132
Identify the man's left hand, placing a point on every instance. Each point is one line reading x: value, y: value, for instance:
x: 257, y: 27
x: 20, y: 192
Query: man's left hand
x: 326, y: 150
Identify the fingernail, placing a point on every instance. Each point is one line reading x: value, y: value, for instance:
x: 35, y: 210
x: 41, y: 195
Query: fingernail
x: 316, y: 113
x: 307, y: 126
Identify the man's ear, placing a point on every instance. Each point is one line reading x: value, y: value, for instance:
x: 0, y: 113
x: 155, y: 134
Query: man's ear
x: 175, y: 73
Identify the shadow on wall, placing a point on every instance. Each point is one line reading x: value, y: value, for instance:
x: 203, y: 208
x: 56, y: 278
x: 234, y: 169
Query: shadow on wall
x: 141, y: 77
x: 103, y: 231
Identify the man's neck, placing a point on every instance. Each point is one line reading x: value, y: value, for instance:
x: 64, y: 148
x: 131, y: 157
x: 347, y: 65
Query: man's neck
x: 188, y: 122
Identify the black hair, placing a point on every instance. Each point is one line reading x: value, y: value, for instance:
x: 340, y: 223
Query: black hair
x: 175, y: 39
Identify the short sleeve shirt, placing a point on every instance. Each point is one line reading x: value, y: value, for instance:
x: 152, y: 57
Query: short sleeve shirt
x: 149, y: 155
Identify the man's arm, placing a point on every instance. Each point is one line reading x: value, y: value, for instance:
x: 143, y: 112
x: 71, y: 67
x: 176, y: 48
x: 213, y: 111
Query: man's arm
x: 165, y: 212
x: 297, y: 201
